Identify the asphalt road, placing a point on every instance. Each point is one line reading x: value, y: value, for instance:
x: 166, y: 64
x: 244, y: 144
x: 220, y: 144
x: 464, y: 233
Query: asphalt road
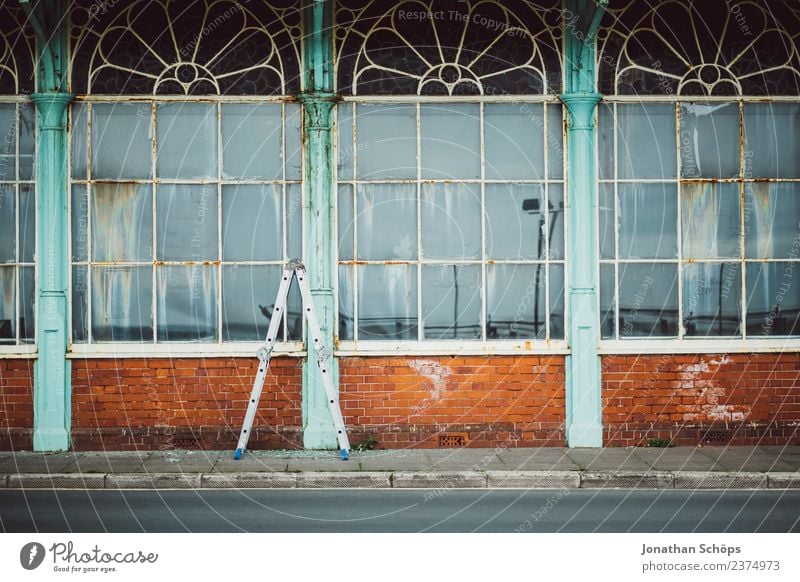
x: 400, y: 511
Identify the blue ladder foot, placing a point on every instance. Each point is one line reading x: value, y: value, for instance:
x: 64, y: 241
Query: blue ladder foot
x: 238, y: 454
x: 344, y: 454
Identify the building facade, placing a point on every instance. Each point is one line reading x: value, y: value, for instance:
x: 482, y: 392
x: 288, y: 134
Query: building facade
x: 528, y: 223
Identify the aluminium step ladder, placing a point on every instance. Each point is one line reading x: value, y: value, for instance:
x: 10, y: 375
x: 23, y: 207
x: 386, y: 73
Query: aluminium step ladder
x: 294, y: 269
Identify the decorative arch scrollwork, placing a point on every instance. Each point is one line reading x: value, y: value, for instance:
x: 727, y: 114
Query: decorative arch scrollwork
x: 174, y: 47
x: 709, y: 48
x: 437, y: 47
x: 17, y: 52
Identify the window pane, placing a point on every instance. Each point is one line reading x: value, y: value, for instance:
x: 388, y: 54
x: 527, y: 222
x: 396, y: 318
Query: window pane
x: 648, y: 223
x: 773, y: 299
x: 515, y: 227
x: 27, y: 298
x: 646, y: 141
x: 80, y: 304
x: 557, y: 294
x: 294, y: 140
x: 187, y: 222
x: 648, y: 300
x: 772, y: 140
x: 8, y: 142
x: 709, y: 140
x: 346, y: 302
x: 345, y: 222
x: 187, y: 303
x: 252, y: 222
x: 187, y: 140
x: 122, y: 304
x: 251, y: 141
x: 121, y: 141
x: 771, y: 220
x: 606, y: 221
x: 248, y: 295
x: 387, y: 302
x: 451, y: 141
x: 294, y: 221
x: 344, y: 141
x: 8, y: 224
x: 557, y: 218
x: 710, y: 221
x: 8, y: 309
x: 80, y: 223
x: 27, y: 140
x: 607, y: 308
x: 515, y: 301
x: 451, y: 221
x: 451, y: 302
x: 711, y: 299
x: 386, y: 146
x: 122, y: 218
x: 78, y: 134
x: 605, y: 141
x: 514, y: 144
x: 27, y: 223
x: 555, y: 140
x: 387, y: 222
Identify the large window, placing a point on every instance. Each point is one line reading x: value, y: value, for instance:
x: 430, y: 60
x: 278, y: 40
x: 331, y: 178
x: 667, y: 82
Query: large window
x: 699, y: 198
x: 187, y: 203
x: 451, y: 199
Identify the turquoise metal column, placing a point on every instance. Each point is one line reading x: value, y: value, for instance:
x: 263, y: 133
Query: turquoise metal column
x: 52, y: 392
x: 318, y: 104
x: 584, y: 410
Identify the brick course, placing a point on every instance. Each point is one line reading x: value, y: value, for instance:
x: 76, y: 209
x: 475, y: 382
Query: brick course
x: 16, y: 404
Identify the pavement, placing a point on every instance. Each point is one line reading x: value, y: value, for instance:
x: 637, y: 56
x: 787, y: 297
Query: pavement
x: 760, y: 467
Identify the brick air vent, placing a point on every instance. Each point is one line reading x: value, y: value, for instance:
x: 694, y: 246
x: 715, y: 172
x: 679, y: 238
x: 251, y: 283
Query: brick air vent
x: 452, y: 440
x: 717, y: 437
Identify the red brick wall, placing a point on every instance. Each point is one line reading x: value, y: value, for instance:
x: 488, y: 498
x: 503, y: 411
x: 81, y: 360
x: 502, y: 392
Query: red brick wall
x: 182, y: 403
x: 490, y: 400
x: 16, y: 404
x: 694, y: 399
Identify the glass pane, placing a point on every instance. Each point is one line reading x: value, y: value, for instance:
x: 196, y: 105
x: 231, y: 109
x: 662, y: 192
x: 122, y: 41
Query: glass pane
x: 557, y: 294
x: 515, y: 301
x: 80, y: 304
x: 771, y: 220
x: 252, y: 222
x: 515, y: 223
x: 345, y: 222
x: 251, y: 141
x: 555, y: 140
x: 646, y: 141
x: 27, y: 140
x: 387, y: 302
x: 605, y: 141
x: 294, y: 221
x: 387, y: 222
x: 772, y: 140
x: 556, y: 219
x: 773, y: 299
x: 187, y: 140
x: 648, y: 222
x: 451, y: 302
x: 8, y: 142
x: 346, y: 302
x: 248, y: 302
x: 27, y: 299
x: 386, y: 146
x: 78, y: 134
x: 648, y: 300
x: 344, y: 141
x: 27, y: 223
x: 712, y: 299
x: 187, y: 214
x: 187, y: 303
x: 709, y: 140
x: 121, y: 141
x: 606, y: 221
x: 8, y: 224
x: 122, y: 219
x: 451, y: 141
x: 710, y: 221
x: 294, y: 139
x: 514, y: 144
x: 607, y: 309
x: 8, y: 308
x: 80, y: 223
x: 122, y: 304
x: 451, y: 221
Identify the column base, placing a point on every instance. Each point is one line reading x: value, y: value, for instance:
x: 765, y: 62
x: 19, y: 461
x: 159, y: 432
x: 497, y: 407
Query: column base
x: 585, y: 436
x: 50, y: 439
x: 320, y: 437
